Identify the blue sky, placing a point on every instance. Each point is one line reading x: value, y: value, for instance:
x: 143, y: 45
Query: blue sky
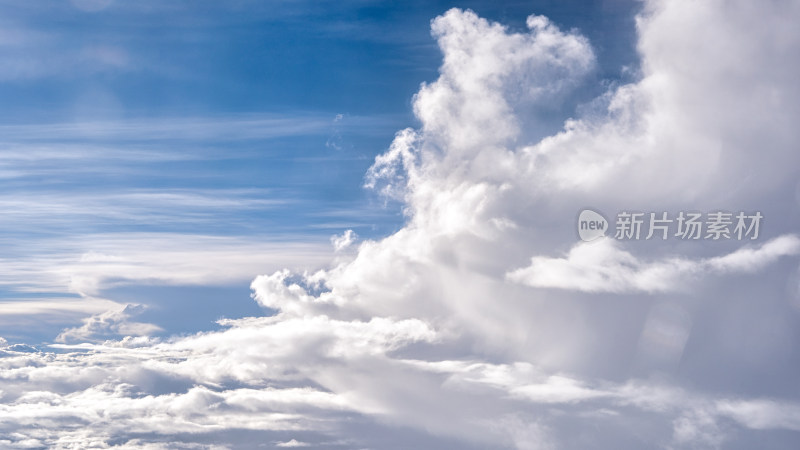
x: 352, y: 224
x: 241, y: 119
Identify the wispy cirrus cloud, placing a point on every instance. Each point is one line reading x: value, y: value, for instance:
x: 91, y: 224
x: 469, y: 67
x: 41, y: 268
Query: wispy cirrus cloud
x: 84, y: 265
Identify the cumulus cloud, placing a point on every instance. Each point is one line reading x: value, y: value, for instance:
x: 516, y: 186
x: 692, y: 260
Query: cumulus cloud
x: 605, y: 267
x: 109, y: 324
x: 441, y: 328
x: 346, y: 239
x: 292, y: 443
x: 708, y: 96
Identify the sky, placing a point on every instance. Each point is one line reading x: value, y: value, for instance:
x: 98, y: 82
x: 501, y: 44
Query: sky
x: 365, y: 224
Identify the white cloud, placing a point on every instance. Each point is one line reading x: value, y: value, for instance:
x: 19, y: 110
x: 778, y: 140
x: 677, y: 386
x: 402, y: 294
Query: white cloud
x: 109, y: 324
x: 762, y: 414
x: 603, y: 266
x: 292, y: 443
x: 710, y: 94
x: 87, y: 264
x: 423, y: 329
x: 12, y: 309
x: 343, y: 241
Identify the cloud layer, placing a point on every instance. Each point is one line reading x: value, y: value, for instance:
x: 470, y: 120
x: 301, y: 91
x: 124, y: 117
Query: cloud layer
x: 450, y: 329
